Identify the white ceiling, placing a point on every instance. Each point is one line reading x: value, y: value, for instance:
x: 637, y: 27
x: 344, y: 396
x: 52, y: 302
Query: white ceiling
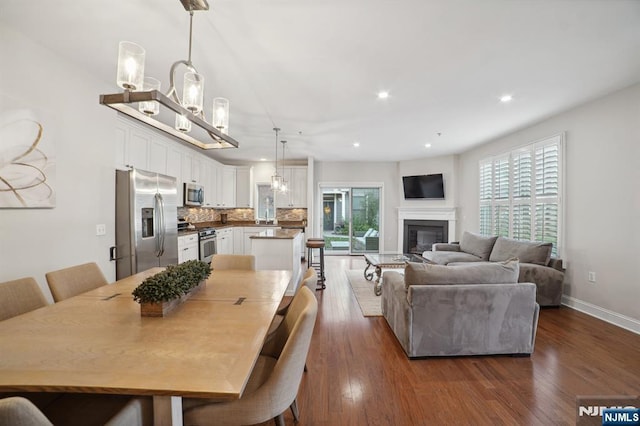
x: 314, y: 68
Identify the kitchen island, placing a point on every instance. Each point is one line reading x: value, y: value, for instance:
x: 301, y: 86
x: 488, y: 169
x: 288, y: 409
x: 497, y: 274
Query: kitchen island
x: 278, y: 249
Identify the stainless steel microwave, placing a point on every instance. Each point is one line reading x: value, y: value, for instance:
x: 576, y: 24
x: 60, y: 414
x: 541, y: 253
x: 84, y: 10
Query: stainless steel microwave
x: 193, y: 194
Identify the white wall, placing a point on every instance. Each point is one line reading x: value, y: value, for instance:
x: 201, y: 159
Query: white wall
x: 35, y: 241
x: 390, y: 174
x: 362, y: 173
x: 602, y: 200
x: 447, y: 165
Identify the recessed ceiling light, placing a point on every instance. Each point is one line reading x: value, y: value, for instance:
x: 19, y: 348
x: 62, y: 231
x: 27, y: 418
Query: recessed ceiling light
x: 356, y: 144
x: 506, y: 98
x: 263, y: 159
x: 428, y: 145
x: 383, y: 95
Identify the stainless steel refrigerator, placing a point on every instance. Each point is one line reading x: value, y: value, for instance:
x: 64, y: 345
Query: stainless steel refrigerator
x: 146, y: 221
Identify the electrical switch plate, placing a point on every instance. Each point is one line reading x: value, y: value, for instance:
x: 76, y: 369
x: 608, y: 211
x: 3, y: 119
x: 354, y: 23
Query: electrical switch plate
x: 592, y: 277
x: 101, y: 229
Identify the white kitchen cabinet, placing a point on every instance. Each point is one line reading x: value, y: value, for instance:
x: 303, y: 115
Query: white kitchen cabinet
x: 132, y: 145
x: 244, y: 187
x: 174, y: 168
x: 224, y: 241
x: 210, y: 185
x: 298, y: 187
x: 226, y: 187
x: 238, y: 240
x: 191, y: 168
x: 252, y: 230
x: 279, y: 254
x: 158, y: 156
x: 187, y: 247
x: 296, y: 196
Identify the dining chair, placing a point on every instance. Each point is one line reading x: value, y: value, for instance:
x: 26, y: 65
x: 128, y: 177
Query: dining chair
x: 74, y: 409
x: 20, y: 411
x: 77, y: 410
x: 245, y: 262
x: 274, y: 382
x: 20, y: 296
x: 69, y: 282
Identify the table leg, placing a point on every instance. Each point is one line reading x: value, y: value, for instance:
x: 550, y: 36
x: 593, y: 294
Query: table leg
x: 167, y: 410
x: 377, y: 288
x: 368, y: 276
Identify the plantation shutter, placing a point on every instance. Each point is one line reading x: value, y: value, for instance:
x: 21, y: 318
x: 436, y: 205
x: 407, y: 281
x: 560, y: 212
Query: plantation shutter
x: 520, y: 193
x: 547, y: 200
x: 486, y: 190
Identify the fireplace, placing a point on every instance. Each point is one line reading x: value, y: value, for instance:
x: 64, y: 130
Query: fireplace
x: 444, y: 218
x: 419, y: 235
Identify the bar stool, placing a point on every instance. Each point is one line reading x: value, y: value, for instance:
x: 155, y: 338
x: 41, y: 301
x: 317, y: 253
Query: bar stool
x: 317, y: 243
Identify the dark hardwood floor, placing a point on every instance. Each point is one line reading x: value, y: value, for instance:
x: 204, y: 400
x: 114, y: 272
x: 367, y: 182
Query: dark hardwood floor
x: 359, y: 375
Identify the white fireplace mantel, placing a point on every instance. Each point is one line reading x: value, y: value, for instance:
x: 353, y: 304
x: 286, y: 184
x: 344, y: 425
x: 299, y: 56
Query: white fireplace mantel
x: 422, y: 213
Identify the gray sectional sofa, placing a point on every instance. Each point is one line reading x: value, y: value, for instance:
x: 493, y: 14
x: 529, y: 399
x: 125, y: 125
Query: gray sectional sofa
x: 469, y: 309
x: 536, y: 264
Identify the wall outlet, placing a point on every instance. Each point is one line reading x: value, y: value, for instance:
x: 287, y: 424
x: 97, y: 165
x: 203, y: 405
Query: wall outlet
x: 592, y: 277
x: 101, y: 229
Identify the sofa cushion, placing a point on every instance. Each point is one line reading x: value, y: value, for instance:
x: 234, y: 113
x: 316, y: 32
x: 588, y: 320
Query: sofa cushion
x: 476, y: 244
x: 527, y: 251
x: 446, y: 257
x: 470, y: 273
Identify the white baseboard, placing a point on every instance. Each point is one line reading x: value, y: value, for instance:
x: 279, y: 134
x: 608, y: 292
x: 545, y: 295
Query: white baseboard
x: 611, y: 317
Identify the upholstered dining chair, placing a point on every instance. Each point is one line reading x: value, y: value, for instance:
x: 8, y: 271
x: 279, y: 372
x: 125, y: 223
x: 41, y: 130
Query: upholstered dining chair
x: 282, y: 309
x: 245, y: 262
x: 20, y: 296
x: 310, y: 279
x: 274, y: 382
x: 69, y: 282
x: 20, y: 411
x: 77, y: 410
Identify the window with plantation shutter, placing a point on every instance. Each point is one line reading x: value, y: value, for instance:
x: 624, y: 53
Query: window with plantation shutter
x: 521, y: 193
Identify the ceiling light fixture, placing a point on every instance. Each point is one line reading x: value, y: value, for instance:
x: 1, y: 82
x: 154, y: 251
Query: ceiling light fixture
x: 428, y: 145
x: 383, y: 95
x: 188, y: 110
x: 356, y: 144
x: 506, y: 98
x: 276, y: 179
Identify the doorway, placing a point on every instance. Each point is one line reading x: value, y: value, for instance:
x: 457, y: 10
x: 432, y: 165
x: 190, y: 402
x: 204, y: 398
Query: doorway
x: 351, y: 219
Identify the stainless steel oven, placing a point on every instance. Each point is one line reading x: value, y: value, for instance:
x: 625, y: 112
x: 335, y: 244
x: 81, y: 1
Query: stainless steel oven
x: 207, y: 240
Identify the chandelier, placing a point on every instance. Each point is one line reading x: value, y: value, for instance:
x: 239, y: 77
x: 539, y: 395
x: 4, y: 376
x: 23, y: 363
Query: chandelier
x: 276, y: 179
x: 142, y: 98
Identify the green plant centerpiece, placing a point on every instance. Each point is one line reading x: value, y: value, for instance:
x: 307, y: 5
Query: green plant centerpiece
x: 161, y: 293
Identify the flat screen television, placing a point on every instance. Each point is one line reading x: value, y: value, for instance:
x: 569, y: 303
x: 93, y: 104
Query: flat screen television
x: 423, y: 187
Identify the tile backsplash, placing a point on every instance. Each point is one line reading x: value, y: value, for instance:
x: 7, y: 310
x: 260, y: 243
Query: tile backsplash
x: 198, y: 214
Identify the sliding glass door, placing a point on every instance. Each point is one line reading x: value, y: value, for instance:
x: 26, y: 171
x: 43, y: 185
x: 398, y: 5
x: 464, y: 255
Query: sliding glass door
x: 365, y: 219
x: 350, y: 220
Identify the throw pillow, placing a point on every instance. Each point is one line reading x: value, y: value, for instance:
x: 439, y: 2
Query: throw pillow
x: 526, y: 251
x: 469, y: 273
x: 476, y: 244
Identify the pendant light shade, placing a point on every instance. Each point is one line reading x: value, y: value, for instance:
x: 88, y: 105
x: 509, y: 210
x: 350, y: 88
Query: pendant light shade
x: 193, y: 92
x: 130, y: 74
x: 182, y: 123
x: 151, y: 107
x: 221, y: 114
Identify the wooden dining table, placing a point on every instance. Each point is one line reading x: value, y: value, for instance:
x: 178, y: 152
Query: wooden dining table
x: 97, y: 342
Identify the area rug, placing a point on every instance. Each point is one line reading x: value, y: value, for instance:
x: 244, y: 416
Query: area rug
x: 370, y: 304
